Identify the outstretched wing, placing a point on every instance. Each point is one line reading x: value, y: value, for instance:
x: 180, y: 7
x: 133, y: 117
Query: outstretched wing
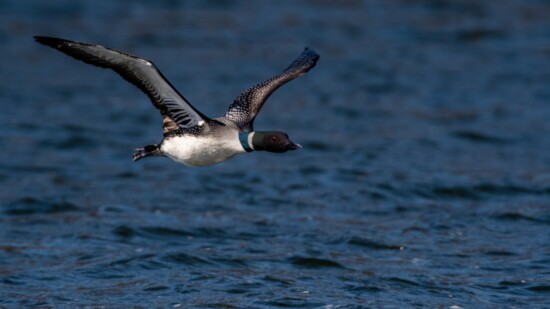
x: 176, y: 111
x: 244, y: 108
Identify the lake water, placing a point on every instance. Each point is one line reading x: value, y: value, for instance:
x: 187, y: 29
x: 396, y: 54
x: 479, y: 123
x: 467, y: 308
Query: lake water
x: 424, y: 180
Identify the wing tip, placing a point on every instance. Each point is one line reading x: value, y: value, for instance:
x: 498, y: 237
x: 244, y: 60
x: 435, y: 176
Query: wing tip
x: 310, y: 56
x: 311, y: 52
x: 50, y: 41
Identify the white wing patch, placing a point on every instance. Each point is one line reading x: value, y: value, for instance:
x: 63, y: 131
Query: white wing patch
x: 147, y: 63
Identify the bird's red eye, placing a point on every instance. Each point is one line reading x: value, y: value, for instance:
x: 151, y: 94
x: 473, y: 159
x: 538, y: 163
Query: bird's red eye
x: 274, y: 138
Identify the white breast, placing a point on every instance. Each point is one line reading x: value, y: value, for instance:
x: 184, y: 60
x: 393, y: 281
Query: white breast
x: 201, y: 151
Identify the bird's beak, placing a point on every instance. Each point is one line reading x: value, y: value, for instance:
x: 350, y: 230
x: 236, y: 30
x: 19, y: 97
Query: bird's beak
x: 293, y: 146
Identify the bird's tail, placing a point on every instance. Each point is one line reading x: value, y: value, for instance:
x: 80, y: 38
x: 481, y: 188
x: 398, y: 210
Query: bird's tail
x: 147, y: 151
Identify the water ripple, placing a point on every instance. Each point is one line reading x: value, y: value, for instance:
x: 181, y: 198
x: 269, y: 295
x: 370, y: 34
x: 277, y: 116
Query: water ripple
x: 311, y: 262
x: 29, y: 206
x: 370, y: 244
x: 186, y: 259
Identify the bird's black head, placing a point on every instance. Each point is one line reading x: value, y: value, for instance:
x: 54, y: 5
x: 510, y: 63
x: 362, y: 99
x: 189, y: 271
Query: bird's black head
x: 273, y: 141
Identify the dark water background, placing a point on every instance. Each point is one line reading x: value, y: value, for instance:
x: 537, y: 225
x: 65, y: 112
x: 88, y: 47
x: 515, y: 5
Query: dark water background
x: 424, y: 180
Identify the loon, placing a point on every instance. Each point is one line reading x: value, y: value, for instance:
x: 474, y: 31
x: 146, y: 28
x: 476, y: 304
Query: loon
x: 190, y: 137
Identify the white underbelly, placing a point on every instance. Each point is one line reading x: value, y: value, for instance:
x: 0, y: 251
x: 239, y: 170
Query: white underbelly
x: 193, y: 151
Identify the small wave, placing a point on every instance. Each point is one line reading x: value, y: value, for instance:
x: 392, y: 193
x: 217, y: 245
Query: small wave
x: 124, y: 231
x: 291, y: 302
x: 403, y: 281
x: 210, y: 232
x: 151, y: 232
x: 507, y: 283
x: 478, y: 34
x: 233, y: 262
x: 165, y: 232
x: 514, y: 216
x: 542, y: 288
x: 280, y: 281
x: 499, y: 253
x: 130, y: 260
x: 478, y: 191
x: 367, y: 243
x: 31, y: 205
x: 244, y: 287
x: 310, y: 262
x: 479, y: 137
x: 363, y: 289
x: 185, y: 259
x: 12, y: 280
x: 157, y: 288
x: 457, y: 192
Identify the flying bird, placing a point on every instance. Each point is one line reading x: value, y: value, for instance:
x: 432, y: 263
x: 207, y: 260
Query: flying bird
x: 189, y: 136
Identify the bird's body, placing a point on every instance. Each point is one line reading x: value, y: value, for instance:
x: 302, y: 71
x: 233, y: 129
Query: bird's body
x: 217, y: 145
x: 195, y: 151
x: 190, y: 137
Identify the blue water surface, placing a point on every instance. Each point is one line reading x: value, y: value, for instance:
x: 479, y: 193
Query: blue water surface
x: 424, y: 180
